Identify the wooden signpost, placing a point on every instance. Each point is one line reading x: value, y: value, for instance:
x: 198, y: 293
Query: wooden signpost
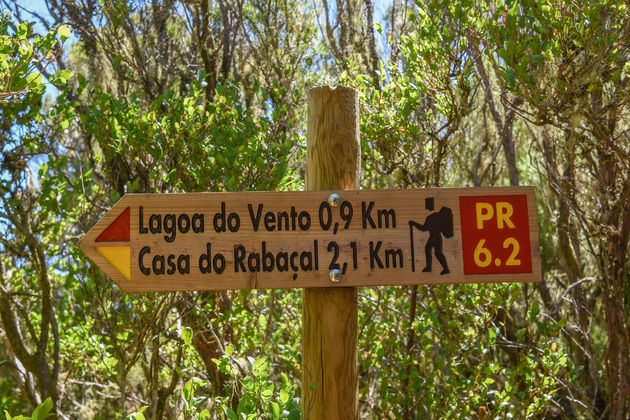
x: 326, y: 242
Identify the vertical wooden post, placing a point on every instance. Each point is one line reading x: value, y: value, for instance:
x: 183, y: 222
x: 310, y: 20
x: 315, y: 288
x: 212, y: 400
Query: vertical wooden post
x: 329, y: 315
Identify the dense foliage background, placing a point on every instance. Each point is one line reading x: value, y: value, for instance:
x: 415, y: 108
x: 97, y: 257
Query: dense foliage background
x: 197, y: 95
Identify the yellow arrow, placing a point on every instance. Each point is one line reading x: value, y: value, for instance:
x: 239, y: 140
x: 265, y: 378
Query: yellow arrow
x: 119, y: 257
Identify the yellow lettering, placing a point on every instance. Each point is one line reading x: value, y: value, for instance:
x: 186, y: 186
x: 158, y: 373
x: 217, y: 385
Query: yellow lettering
x: 484, y: 212
x: 512, y: 260
x: 504, y: 212
x: 481, y: 251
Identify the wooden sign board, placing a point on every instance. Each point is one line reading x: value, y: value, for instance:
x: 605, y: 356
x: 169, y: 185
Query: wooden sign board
x: 257, y: 240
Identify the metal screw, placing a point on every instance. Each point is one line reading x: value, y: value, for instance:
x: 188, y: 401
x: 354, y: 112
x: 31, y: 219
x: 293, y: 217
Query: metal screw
x: 335, y: 275
x: 334, y: 199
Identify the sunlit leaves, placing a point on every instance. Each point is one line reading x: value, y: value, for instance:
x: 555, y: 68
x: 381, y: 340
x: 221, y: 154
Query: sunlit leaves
x: 22, y: 56
x: 61, y: 77
x: 187, y: 144
x: 64, y: 32
x: 261, y: 396
x: 550, y: 50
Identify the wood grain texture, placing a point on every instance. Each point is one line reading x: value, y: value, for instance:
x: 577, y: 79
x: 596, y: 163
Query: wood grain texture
x: 330, y: 376
x: 329, y: 353
x: 333, y: 151
x: 409, y: 205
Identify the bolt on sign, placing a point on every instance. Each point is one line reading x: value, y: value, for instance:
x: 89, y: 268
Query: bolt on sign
x: 249, y: 240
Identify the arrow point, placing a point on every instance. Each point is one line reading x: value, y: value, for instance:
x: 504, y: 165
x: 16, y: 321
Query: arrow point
x: 118, y: 230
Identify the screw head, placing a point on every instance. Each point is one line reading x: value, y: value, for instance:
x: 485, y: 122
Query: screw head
x: 334, y: 275
x: 334, y: 199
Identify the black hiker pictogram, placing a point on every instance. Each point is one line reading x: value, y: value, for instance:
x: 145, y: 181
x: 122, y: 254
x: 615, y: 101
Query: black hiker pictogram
x: 437, y: 224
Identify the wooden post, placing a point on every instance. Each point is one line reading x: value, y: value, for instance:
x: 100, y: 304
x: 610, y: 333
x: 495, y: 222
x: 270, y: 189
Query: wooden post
x: 329, y: 315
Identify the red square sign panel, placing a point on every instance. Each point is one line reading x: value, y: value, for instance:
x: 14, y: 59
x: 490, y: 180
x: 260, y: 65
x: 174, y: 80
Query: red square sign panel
x: 495, y: 234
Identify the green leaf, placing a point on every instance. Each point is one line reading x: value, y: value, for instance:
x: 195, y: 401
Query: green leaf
x: 22, y: 31
x: 534, y: 311
x: 245, y: 405
x: 275, y: 410
x: 511, y: 76
x: 25, y: 49
x: 513, y: 12
x: 267, y: 390
x: 64, y: 74
x: 284, y: 396
x: 43, y: 410
x: 188, y: 391
x: 61, y: 77
x: 492, y: 335
x: 64, y: 32
x: 231, y: 414
x: 205, y: 414
x: 34, y: 78
x: 117, y: 61
x: 187, y: 335
x: 229, y: 350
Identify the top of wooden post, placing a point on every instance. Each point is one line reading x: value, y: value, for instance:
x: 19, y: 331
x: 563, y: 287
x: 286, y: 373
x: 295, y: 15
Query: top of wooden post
x: 333, y: 153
